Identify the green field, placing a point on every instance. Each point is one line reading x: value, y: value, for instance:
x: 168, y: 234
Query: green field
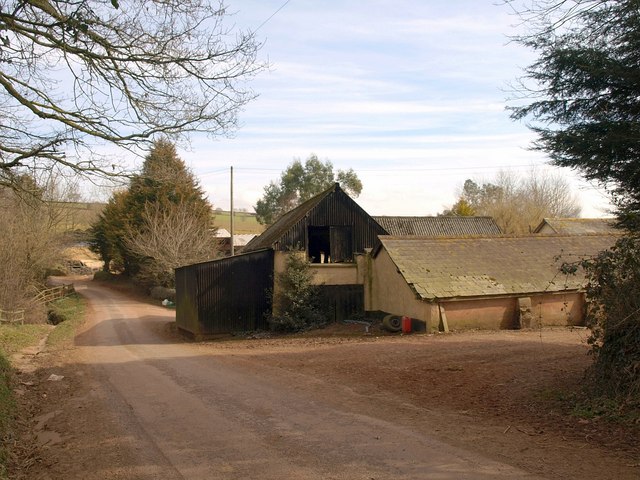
x: 244, y: 222
x: 80, y: 216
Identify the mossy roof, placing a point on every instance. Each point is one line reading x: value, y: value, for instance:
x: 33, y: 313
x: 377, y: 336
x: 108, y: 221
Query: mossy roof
x: 462, y: 267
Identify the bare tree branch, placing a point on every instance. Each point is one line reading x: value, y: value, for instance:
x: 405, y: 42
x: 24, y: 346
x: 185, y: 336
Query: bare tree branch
x: 171, y: 237
x: 76, y: 72
x: 518, y: 204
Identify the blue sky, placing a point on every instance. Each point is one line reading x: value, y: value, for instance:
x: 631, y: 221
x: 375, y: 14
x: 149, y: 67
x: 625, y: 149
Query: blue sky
x: 410, y: 94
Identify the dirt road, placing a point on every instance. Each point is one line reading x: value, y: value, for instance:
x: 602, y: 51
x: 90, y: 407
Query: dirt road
x: 139, y: 403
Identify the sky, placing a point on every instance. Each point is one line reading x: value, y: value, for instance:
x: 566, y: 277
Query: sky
x: 411, y: 94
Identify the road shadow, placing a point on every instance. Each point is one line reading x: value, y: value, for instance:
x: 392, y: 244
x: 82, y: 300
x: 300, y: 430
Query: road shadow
x: 144, y: 330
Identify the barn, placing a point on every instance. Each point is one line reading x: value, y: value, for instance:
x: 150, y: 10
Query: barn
x: 439, y: 226
x: 232, y: 294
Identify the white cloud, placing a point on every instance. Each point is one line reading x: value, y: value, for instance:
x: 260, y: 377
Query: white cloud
x: 410, y: 95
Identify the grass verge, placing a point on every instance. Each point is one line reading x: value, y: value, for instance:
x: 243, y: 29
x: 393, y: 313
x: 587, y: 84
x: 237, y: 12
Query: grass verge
x: 72, y: 309
x: 14, y: 338
x: 7, y: 412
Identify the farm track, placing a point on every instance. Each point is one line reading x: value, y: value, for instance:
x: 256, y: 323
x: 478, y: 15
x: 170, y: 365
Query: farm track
x: 138, y: 402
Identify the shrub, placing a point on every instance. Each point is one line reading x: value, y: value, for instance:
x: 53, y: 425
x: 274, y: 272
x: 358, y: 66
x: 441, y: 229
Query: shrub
x: 613, y: 315
x: 54, y: 318
x: 55, y: 272
x: 161, y: 293
x: 297, y: 307
x: 102, y: 276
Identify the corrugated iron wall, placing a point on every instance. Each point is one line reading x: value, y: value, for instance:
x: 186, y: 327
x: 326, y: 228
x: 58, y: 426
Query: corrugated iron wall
x: 342, y: 301
x: 335, y: 210
x: 226, y: 295
x: 186, y: 299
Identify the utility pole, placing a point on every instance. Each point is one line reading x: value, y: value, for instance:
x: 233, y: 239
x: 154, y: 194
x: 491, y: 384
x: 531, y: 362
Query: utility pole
x: 231, y: 215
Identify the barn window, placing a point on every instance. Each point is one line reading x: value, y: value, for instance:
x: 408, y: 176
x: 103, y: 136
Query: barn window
x: 331, y: 244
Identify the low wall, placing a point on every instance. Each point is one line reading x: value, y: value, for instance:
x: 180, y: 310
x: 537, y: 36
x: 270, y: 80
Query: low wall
x: 326, y: 273
x: 334, y: 273
x: 559, y: 309
x: 491, y: 314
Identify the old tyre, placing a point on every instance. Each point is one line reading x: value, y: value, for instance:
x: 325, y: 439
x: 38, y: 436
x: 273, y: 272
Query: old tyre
x: 392, y: 323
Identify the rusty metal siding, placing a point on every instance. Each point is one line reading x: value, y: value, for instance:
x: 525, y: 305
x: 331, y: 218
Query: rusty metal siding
x: 229, y: 295
x: 336, y: 209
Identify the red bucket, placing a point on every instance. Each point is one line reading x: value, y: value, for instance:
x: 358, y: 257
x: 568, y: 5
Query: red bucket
x: 406, y: 324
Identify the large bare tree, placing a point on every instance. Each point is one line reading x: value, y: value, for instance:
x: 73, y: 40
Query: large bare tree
x: 29, y: 244
x: 517, y: 204
x: 78, y: 76
x: 168, y: 238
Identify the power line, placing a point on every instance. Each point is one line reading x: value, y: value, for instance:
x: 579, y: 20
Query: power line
x: 219, y: 171
x: 223, y: 171
x: 436, y: 169
x: 272, y: 15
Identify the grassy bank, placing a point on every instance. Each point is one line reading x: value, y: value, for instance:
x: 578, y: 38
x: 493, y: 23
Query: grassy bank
x: 7, y: 411
x: 72, y: 308
x: 14, y: 338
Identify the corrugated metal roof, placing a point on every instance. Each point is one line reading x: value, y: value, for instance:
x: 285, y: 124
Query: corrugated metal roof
x: 273, y: 233
x: 439, y: 267
x: 333, y: 207
x: 577, y: 226
x: 439, y: 226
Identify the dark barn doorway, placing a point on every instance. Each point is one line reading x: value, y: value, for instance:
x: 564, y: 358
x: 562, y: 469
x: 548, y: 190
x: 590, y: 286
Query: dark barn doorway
x: 330, y: 244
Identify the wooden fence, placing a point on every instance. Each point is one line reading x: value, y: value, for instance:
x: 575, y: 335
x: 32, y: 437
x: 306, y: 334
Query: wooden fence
x: 43, y: 297
x: 53, y: 293
x: 12, y: 316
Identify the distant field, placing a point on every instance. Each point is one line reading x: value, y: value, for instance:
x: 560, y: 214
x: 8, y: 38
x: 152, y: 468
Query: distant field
x: 80, y: 216
x: 77, y: 215
x: 243, y: 222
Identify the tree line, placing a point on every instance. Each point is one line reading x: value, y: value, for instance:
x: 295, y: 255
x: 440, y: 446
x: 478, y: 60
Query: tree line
x: 517, y: 204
